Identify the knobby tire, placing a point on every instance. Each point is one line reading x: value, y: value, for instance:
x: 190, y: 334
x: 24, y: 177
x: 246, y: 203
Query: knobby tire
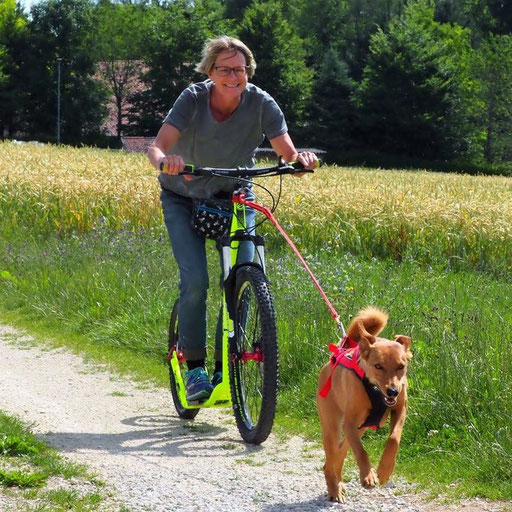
x: 254, y: 381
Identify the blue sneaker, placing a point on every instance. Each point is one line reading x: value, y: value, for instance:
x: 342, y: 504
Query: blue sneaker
x: 198, y: 385
x: 217, y: 378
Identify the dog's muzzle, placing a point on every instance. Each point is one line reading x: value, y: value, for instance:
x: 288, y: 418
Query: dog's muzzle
x: 391, y: 396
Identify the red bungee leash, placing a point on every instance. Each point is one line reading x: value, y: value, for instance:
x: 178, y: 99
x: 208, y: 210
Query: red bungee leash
x: 241, y: 200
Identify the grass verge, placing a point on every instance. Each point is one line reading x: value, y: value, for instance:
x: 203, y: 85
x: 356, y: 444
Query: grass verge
x: 109, y: 292
x: 35, y: 477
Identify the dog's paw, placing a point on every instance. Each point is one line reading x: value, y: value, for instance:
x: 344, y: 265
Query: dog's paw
x: 339, y: 495
x: 369, y: 480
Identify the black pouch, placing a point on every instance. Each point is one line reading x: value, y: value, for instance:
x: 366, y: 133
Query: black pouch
x: 211, y: 218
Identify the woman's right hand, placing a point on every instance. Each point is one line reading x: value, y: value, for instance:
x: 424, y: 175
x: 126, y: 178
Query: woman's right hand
x: 172, y: 164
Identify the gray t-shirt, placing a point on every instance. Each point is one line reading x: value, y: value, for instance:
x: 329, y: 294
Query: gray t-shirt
x: 210, y: 143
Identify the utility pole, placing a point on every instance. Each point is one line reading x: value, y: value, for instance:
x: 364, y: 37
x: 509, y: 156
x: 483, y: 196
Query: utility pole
x: 59, y: 60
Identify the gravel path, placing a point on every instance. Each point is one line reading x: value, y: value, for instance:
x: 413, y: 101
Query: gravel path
x: 153, y: 461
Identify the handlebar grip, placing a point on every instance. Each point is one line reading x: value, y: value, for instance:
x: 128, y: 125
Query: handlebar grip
x: 189, y: 168
x: 298, y: 165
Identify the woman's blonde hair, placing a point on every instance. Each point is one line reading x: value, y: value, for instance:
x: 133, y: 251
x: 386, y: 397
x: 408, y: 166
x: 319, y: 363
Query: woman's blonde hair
x: 214, y: 47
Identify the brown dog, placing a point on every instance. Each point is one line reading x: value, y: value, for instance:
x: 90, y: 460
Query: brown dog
x: 346, y: 402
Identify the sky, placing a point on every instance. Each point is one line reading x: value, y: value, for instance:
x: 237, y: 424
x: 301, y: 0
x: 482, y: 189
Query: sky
x: 26, y: 4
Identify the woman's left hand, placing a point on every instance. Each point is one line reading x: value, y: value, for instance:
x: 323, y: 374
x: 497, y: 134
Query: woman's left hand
x: 308, y: 159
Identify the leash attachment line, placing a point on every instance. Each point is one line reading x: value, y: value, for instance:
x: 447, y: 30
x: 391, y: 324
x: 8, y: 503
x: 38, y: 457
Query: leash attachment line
x: 241, y: 199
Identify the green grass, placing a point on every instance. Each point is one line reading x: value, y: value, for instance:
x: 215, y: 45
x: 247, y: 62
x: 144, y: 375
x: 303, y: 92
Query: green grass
x: 27, y: 463
x: 17, y: 478
x: 433, y: 250
x: 65, y: 499
x: 109, y: 293
x: 458, y: 428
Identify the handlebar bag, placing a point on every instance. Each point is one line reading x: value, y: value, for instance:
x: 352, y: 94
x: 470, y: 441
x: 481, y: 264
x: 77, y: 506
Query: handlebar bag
x: 211, y: 218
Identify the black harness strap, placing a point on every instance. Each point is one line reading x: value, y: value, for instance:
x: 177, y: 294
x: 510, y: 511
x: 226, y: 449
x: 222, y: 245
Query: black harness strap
x: 379, y: 406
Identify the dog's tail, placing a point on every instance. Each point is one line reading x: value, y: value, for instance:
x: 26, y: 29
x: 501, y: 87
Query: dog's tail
x: 373, y: 321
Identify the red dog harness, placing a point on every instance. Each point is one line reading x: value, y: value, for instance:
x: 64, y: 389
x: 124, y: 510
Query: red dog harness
x: 346, y: 354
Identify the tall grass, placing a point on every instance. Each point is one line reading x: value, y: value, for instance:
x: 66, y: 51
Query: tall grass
x: 462, y: 221
x: 390, y: 238
x: 58, y: 189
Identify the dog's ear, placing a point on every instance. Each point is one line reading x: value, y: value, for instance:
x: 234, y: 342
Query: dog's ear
x: 405, y: 341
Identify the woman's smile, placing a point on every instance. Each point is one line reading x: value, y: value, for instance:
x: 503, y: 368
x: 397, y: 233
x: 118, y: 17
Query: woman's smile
x: 234, y: 83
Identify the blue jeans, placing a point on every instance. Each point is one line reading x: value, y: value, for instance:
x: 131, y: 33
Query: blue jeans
x: 189, y: 251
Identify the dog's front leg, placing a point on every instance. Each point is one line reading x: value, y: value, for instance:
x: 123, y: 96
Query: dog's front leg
x: 387, y: 461
x: 367, y: 475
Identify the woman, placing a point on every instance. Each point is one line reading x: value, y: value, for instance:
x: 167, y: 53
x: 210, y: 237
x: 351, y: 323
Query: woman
x: 216, y: 123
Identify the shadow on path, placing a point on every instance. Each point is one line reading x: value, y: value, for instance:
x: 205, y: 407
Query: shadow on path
x: 156, y: 435
x: 318, y: 503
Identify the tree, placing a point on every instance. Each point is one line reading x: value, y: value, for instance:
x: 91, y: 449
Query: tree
x: 236, y: 8
x: 493, y: 68
x: 482, y: 17
x: 322, y: 25
x: 174, y: 42
x: 416, y: 95
x: 63, y: 29
x: 364, y: 18
x: 344, y: 26
x: 120, y: 29
x: 330, y: 110
x: 502, y: 14
x: 12, y: 39
x: 280, y: 57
